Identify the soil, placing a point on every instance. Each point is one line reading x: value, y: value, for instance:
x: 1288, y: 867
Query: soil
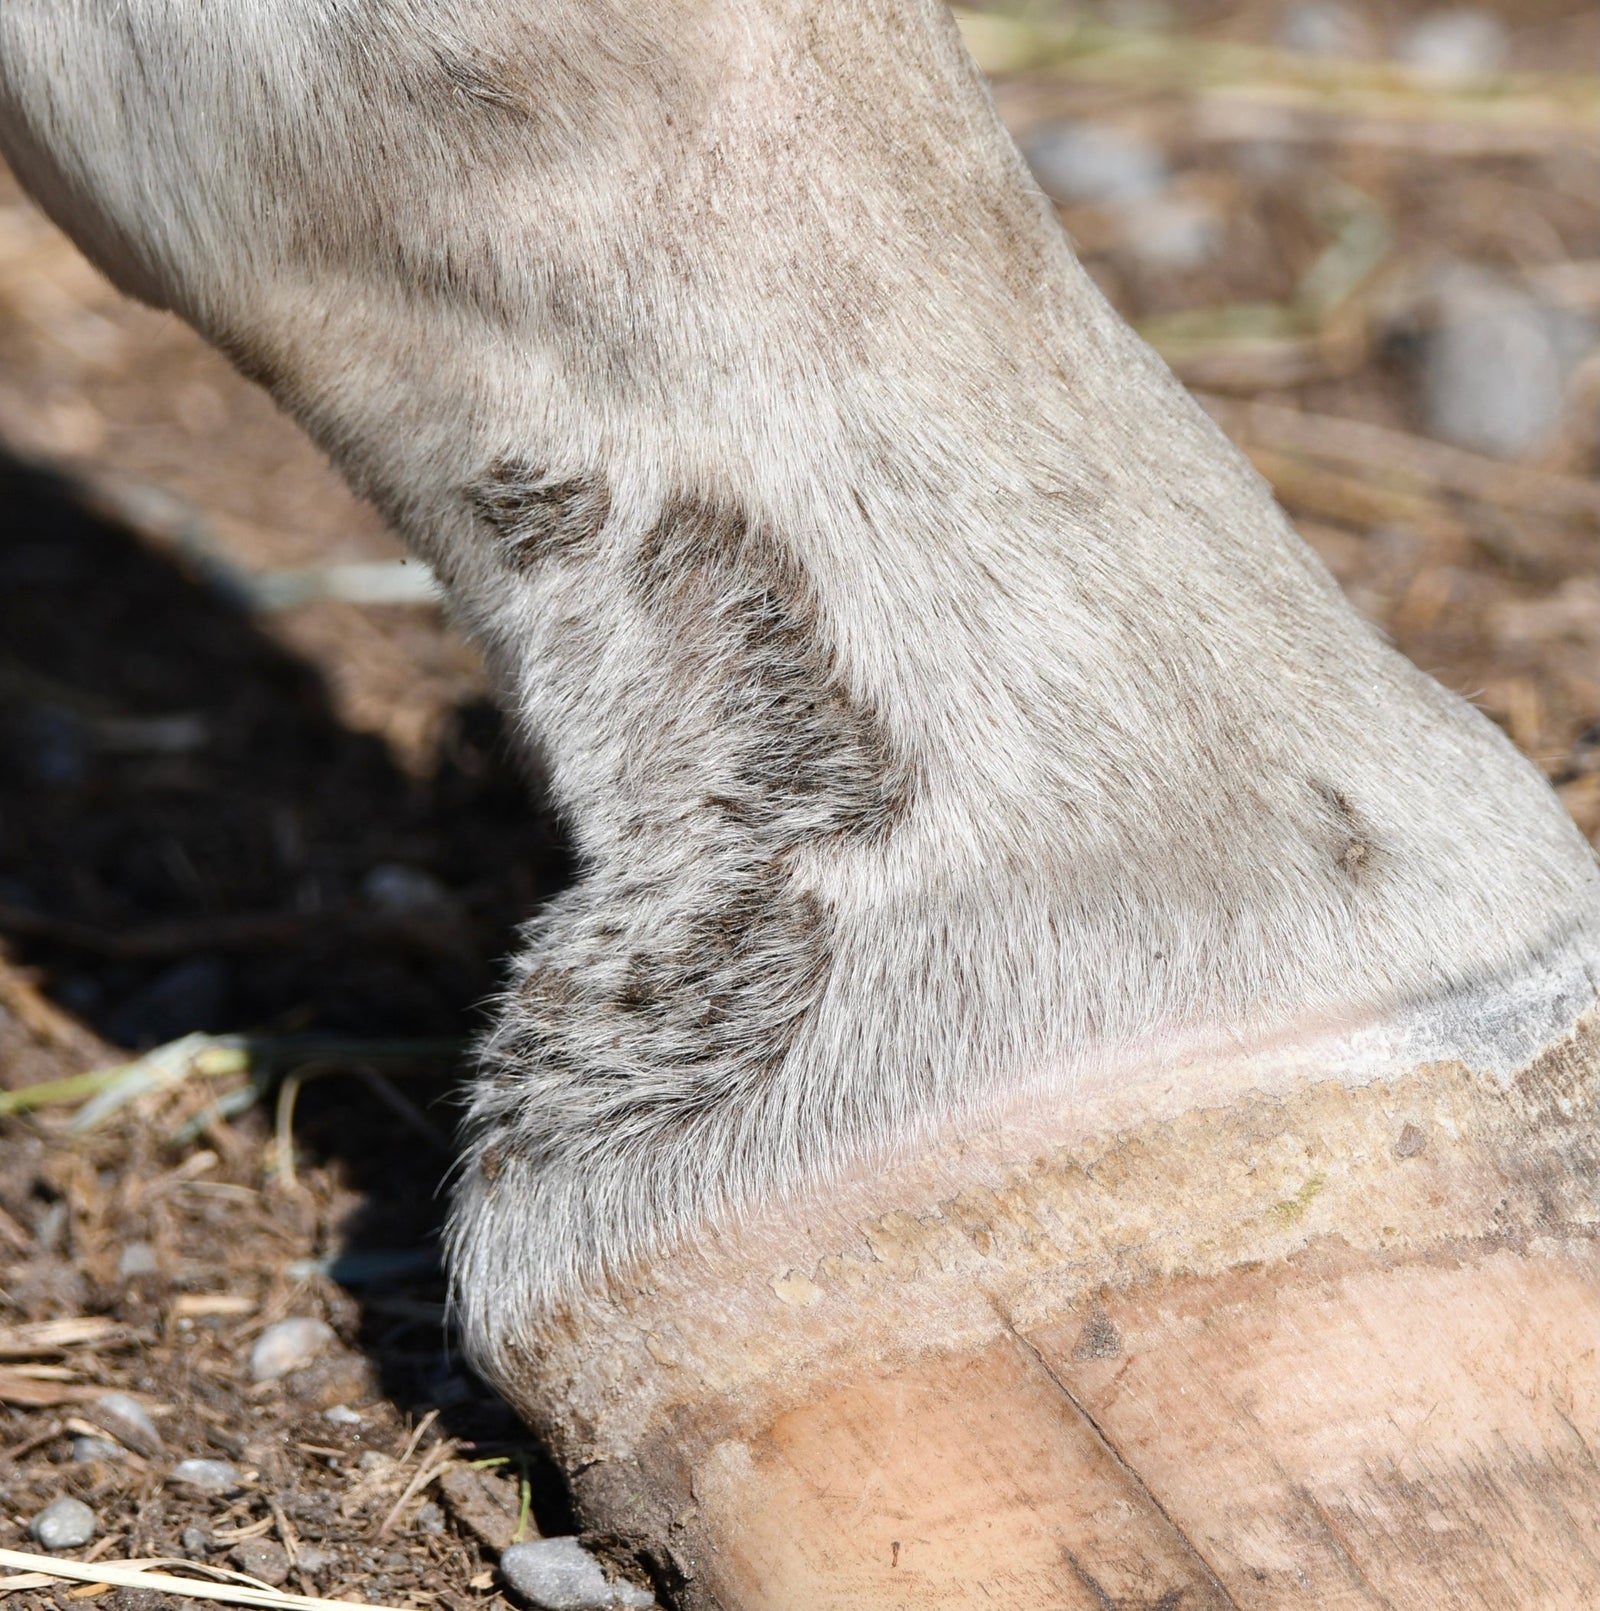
x: 304, y: 823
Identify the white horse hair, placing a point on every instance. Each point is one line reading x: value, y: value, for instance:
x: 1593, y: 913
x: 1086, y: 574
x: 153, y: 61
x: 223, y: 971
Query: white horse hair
x: 943, y: 711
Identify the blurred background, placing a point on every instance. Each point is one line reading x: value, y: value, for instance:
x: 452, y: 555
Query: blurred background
x: 249, y: 780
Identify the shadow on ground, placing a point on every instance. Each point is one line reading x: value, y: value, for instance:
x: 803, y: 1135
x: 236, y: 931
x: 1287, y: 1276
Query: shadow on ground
x: 190, y: 840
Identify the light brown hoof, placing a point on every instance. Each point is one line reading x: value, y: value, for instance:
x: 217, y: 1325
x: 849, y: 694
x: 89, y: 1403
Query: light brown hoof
x: 1207, y: 1345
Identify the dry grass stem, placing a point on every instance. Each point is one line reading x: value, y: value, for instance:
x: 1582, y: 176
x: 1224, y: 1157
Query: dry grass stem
x: 1566, y: 104
x: 236, y: 1589
x: 1427, y: 466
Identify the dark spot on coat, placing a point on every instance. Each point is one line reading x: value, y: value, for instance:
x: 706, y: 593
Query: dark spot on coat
x: 712, y: 996
x: 1355, y: 850
x: 638, y: 991
x: 654, y: 1004
x: 815, y: 758
x: 470, y: 80
x: 535, y: 516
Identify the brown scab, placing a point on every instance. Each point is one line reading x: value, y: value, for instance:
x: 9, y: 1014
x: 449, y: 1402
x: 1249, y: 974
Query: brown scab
x: 1355, y: 852
x: 1410, y: 1141
x: 1099, y: 1338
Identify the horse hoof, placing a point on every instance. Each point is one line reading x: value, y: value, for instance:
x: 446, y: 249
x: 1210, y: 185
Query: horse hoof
x: 1240, y: 1336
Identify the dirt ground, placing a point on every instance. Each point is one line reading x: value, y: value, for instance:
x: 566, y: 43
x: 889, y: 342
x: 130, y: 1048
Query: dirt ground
x: 225, y: 811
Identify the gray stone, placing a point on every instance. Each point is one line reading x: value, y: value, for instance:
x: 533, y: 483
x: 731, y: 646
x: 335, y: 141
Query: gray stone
x: 1267, y: 159
x: 63, y: 1524
x: 1494, y: 366
x: 137, y: 1258
x: 1082, y: 162
x: 1454, y: 44
x: 1172, y: 233
x: 559, y: 1574
x: 262, y: 1558
x: 1325, y: 28
x: 289, y: 1346
x: 197, y: 1543
x: 49, y: 1225
x: 400, y: 891
x: 85, y: 1451
x: 209, y: 1476
x: 341, y: 1415
x: 483, y: 1504
x: 128, y: 1421
x: 312, y: 1559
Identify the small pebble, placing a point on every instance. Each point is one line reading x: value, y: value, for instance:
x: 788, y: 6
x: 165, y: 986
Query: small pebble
x: 430, y: 1520
x: 1267, y: 159
x: 289, y: 1346
x: 1454, y: 44
x: 49, y: 1225
x: 262, y: 1558
x: 1325, y: 28
x: 341, y: 1415
x: 559, y: 1574
x: 136, y: 1259
x: 312, y: 1559
x: 1083, y: 162
x: 482, y: 1504
x: 197, y: 1543
x: 87, y: 1450
x: 209, y: 1476
x: 128, y: 1421
x: 403, y: 891
x: 63, y: 1524
x: 1494, y: 367
x: 340, y: 1378
x: 1171, y: 233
